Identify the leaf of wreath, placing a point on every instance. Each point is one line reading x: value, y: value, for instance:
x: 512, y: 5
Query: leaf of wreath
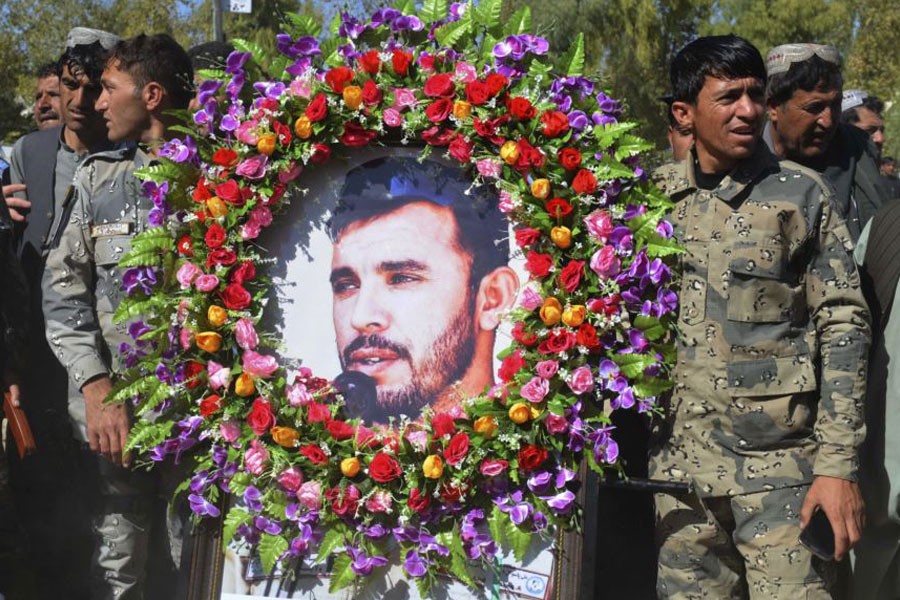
x: 572, y: 63
x: 334, y: 538
x: 487, y: 13
x: 147, y: 435
x: 652, y: 387
x: 633, y: 365
x: 519, y: 22
x: 433, y: 10
x: 458, y: 559
x: 271, y: 547
x: 341, y: 574
x: 518, y: 540
x: 234, y: 519
x: 305, y: 25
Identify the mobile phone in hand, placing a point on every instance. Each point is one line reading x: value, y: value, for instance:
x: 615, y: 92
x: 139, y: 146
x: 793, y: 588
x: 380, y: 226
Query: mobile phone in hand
x: 818, y: 536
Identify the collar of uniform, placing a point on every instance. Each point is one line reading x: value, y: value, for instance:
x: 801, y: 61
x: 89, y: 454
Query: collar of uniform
x: 735, y: 182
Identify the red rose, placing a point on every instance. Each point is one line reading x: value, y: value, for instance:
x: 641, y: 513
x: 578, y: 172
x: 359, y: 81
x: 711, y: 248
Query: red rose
x: 607, y: 305
x: 538, y: 264
x: 569, y: 158
x: 269, y: 104
x: 235, y: 297
x: 526, y: 236
x: 521, y: 108
x: 317, y: 109
x: 192, y: 373
x: 340, y: 430
x: 283, y: 132
x: 230, y: 192
x: 221, y: 256
x: 225, y: 157
x: 355, y: 135
x: 345, y: 501
x: 477, y: 92
x: 529, y: 156
x: 558, y: 208
x: 365, y: 437
x: 210, y: 405
x: 587, y: 336
x: 185, y: 246
x: 526, y: 338
x: 451, y: 493
x: 461, y: 149
x: 370, y: 62
x: 559, y: 340
x: 426, y: 61
x: 440, y: 86
x: 457, y: 449
x: 384, y: 468
x: 215, y: 236
x: 321, y: 154
x: 244, y: 272
x: 570, y: 275
x: 531, y: 457
x: 401, y: 60
x: 418, y: 502
x: 511, y: 365
x: 442, y: 424
x: 439, y: 110
x: 261, y: 418
x: 438, y: 136
x: 317, y: 412
x: 314, y: 454
x: 584, y: 182
x: 496, y: 82
x: 201, y: 193
x: 337, y: 78
x: 371, y: 95
x: 554, y: 123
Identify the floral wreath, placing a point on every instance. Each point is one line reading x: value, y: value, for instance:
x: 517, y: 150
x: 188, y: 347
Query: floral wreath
x: 592, y: 325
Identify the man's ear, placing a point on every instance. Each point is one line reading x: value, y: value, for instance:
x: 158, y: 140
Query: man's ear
x: 496, y: 295
x: 684, y: 114
x: 772, y: 111
x: 153, y: 95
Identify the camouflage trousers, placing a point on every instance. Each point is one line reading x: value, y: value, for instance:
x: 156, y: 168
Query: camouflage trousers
x: 737, y: 547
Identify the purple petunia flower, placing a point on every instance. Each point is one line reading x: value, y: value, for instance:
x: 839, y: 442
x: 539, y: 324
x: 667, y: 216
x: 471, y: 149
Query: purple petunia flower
x: 202, y: 507
x: 362, y: 563
x: 143, y: 278
x: 414, y: 564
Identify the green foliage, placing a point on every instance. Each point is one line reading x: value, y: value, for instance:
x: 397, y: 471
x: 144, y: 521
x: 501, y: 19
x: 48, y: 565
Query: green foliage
x: 633, y: 365
x: 519, y: 22
x: 433, y: 10
x: 518, y: 539
x: 342, y: 575
x: 148, y: 247
x: 573, y: 61
x: 234, y: 519
x: 332, y: 541
x: 271, y: 547
x: 487, y: 13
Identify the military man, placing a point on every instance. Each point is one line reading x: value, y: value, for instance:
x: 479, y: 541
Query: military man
x: 144, y: 78
x: 863, y: 111
x: 766, y: 414
x: 803, y: 99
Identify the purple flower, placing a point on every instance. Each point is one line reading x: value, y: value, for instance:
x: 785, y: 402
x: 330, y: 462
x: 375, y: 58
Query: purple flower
x: 269, y: 526
x: 270, y: 89
x: 235, y: 85
x: 253, y: 498
x: 207, y: 90
x: 350, y: 27
x: 136, y: 330
x: 668, y: 300
x: 414, y: 564
x: 664, y: 229
x: 578, y: 120
x: 362, y: 563
x: 235, y: 62
x: 384, y: 16
x: 143, y: 278
x: 407, y: 23
x: 202, y: 507
x: 638, y: 341
x: 561, y: 502
x: 300, y: 66
x: 304, y: 46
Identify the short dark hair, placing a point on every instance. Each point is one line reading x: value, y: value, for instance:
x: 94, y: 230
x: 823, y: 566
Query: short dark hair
x: 87, y: 58
x: 873, y: 103
x: 721, y: 56
x: 47, y: 70
x: 888, y: 160
x: 808, y: 75
x: 157, y: 58
x: 384, y: 185
x: 211, y: 55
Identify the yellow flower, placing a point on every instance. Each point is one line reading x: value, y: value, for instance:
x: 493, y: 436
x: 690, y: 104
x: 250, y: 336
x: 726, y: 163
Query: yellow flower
x: 350, y: 467
x: 509, y: 152
x: 535, y: 412
x: 551, y: 311
x: 303, y: 127
x: 352, y: 96
x: 217, y: 207
x: 461, y: 109
x: 216, y: 315
x: 574, y: 315
x: 286, y: 437
x: 561, y: 236
x: 486, y: 426
x: 244, y: 386
x: 519, y: 413
x: 540, y: 188
x: 266, y: 144
x: 433, y: 467
x: 210, y: 341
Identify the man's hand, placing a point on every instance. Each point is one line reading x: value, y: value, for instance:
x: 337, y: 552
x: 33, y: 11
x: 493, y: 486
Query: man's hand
x: 107, y: 424
x: 843, y: 505
x: 16, y: 203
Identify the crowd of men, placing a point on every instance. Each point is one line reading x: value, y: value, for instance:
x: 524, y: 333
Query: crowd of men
x: 786, y: 402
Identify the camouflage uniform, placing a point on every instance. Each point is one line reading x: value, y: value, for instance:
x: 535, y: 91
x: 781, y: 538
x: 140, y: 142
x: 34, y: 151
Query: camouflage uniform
x: 81, y: 288
x: 769, y: 379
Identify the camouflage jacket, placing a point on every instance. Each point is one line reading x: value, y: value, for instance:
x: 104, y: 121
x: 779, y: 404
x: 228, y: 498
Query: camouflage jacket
x: 769, y: 380
x: 81, y: 284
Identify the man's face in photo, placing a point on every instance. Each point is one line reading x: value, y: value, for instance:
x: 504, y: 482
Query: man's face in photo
x: 807, y: 122
x: 78, y: 94
x: 122, y: 105
x: 404, y: 310
x: 46, y: 102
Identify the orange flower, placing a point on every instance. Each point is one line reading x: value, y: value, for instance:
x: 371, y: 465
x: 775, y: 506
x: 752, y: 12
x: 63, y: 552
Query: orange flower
x: 509, y: 152
x: 551, y: 312
x: 573, y: 316
x: 540, y: 188
x: 208, y: 341
x: 244, y: 386
x: 303, y: 127
x: 519, y: 413
x: 350, y: 467
x: 217, y: 207
x: 461, y: 109
x: 216, y: 315
x: 286, y: 437
x: 486, y: 426
x: 352, y: 96
x: 561, y: 236
x: 433, y: 467
x: 266, y: 144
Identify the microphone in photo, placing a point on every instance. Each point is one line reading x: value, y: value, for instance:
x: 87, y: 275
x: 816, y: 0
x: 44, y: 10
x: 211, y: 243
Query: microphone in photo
x: 358, y: 390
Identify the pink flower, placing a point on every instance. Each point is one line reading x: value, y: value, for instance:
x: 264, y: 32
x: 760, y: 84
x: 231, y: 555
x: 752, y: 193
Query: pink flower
x: 230, y: 430
x: 492, y: 468
x: 259, y: 217
x: 546, y: 368
x: 465, y: 72
x: 392, y: 117
x: 298, y: 395
x: 185, y: 337
x: 253, y: 167
x: 291, y: 174
x: 599, y: 224
x: 506, y: 204
x: 245, y: 334
x: 300, y: 87
x: 418, y: 439
x: 488, y: 167
x: 256, y: 458
x: 530, y: 299
x: 535, y: 389
x: 379, y: 502
x: 206, y: 283
x: 186, y: 274
x: 259, y: 365
x: 604, y: 262
x: 219, y: 376
x: 246, y: 132
x: 290, y: 479
x: 581, y: 381
x: 310, y: 494
x: 404, y: 98
x: 555, y: 424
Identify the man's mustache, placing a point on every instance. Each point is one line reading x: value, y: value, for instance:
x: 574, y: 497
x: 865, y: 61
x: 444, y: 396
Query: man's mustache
x: 373, y: 341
